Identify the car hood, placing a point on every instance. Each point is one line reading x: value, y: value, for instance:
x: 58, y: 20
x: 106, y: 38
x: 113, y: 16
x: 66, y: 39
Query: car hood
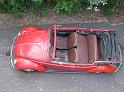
x: 33, y: 45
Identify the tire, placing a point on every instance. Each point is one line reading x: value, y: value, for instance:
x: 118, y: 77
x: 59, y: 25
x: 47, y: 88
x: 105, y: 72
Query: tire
x: 28, y: 70
x: 28, y: 66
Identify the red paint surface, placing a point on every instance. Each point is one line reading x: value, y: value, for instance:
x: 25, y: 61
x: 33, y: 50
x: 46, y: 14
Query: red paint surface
x: 32, y: 49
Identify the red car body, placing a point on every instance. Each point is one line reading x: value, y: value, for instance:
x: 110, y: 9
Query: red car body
x: 36, y: 49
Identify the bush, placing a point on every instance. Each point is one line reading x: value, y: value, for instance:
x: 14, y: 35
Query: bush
x: 112, y: 6
x: 17, y: 7
x: 68, y: 6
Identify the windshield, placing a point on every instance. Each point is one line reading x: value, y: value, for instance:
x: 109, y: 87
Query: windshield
x: 51, y: 47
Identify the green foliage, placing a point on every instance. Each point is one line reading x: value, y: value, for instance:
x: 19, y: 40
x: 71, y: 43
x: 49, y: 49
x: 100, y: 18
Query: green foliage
x: 17, y: 7
x: 96, y: 3
x: 93, y: 2
x: 112, y: 6
x: 120, y: 4
x: 67, y: 6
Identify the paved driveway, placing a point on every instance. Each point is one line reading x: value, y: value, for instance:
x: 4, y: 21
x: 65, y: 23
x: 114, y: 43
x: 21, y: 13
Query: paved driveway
x: 17, y: 81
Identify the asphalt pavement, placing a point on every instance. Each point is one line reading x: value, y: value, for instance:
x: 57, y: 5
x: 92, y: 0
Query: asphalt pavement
x: 12, y: 80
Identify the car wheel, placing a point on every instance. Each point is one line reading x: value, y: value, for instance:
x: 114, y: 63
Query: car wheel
x: 28, y: 70
x: 28, y: 66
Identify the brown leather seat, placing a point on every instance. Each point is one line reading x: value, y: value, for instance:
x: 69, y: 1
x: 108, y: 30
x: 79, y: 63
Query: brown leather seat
x: 92, y: 48
x: 72, y: 55
x: 72, y: 41
x: 86, y: 51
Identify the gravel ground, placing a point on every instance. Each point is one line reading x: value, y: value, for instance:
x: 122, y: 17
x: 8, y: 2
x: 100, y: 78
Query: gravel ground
x: 17, y: 81
x: 8, y: 20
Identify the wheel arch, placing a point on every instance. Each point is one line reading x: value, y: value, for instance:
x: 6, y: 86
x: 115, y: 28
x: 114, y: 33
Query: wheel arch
x: 22, y: 64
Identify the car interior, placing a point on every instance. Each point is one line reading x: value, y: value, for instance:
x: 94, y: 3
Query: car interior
x: 76, y: 48
x: 84, y: 47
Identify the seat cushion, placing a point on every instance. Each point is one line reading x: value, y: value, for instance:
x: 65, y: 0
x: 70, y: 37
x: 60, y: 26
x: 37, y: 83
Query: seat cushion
x: 82, y: 49
x: 61, y: 42
x: 72, y: 55
x: 79, y: 54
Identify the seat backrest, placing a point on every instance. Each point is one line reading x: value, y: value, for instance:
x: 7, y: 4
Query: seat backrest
x: 92, y: 48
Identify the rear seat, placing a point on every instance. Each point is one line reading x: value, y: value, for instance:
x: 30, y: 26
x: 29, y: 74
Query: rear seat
x: 86, y: 51
x: 92, y: 48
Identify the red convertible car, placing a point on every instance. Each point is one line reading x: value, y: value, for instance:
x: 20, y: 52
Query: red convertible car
x: 66, y: 49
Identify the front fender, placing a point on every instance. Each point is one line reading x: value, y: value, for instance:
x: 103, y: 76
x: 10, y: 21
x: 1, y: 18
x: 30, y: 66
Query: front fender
x: 22, y: 64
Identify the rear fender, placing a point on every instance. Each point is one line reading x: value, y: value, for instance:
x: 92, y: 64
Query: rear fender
x: 103, y: 68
